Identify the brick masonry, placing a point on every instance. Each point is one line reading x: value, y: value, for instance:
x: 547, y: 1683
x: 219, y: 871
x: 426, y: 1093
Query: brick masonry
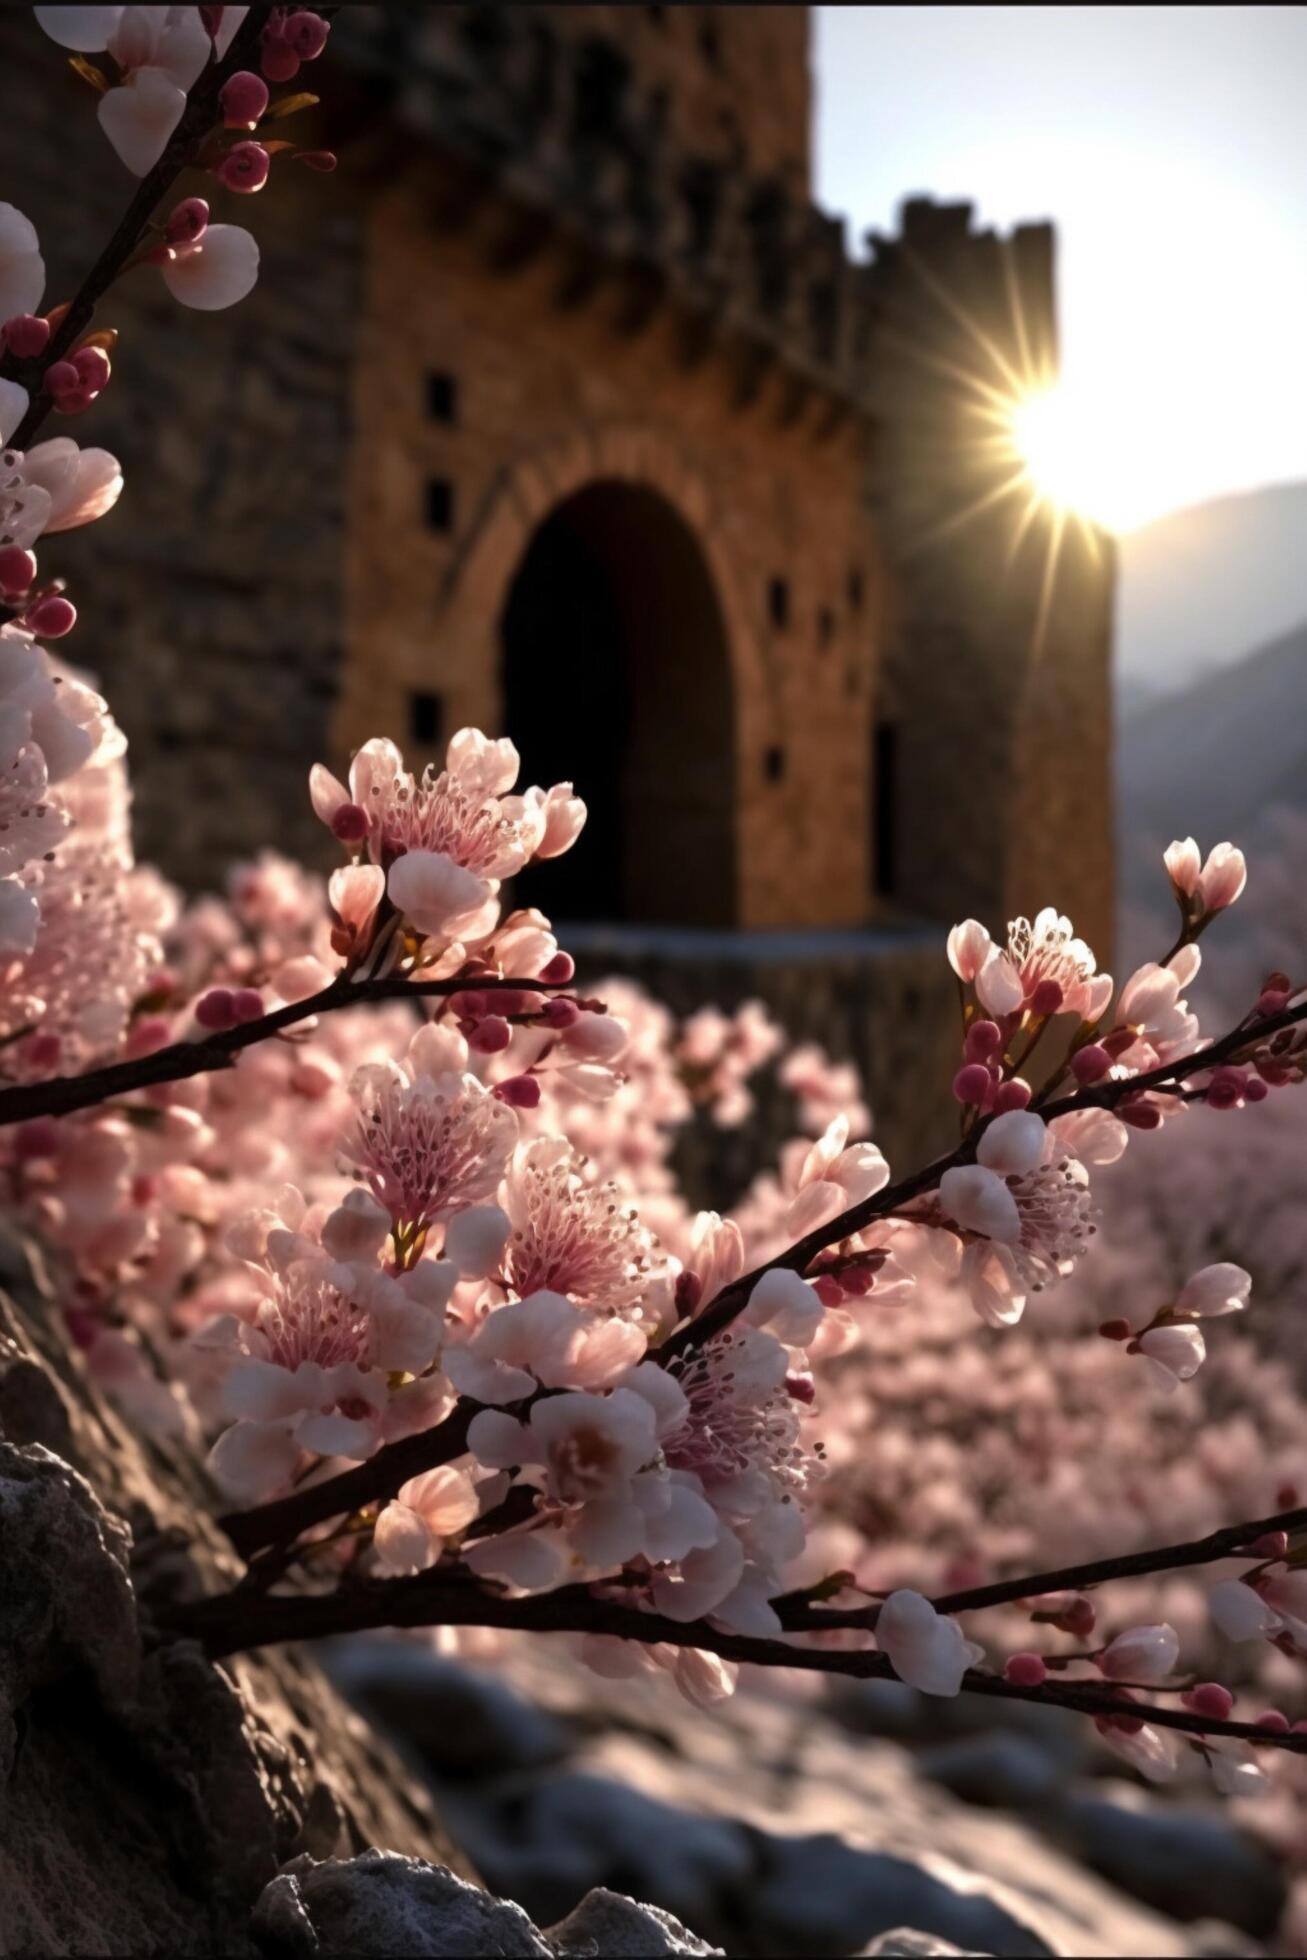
x: 282, y: 580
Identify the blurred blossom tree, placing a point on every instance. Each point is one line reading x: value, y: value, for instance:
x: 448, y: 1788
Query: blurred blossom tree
x: 353, y: 1187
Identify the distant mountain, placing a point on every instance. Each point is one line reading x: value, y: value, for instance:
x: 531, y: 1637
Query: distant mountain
x: 1199, y: 587
x: 1213, y: 759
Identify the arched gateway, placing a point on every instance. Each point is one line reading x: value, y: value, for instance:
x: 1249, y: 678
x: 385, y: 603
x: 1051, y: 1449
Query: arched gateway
x: 615, y: 669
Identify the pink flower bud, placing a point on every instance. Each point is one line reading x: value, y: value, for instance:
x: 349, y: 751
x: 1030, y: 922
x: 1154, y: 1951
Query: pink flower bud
x: 50, y: 618
x: 688, y: 1292
x: 1047, y: 998
x: 244, y: 168
x: 828, y: 1290
x: 216, y: 1010
x: 1255, y: 1090
x: 1222, y: 879
x: 247, y: 1004
x: 17, y: 571
x: 1025, y: 1670
x: 1272, y: 999
x: 61, y: 378
x: 145, y: 1036
x: 279, y: 62
x: 305, y: 34
x: 1225, y: 1091
x: 93, y: 368
x: 561, y: 1014
x: 984, y: 1039
x: 561, y: 968
x: 519, y: 1092
x: 243, y: 100
x: 491, y: 1036
x: 187, y: 222
x: 1015, y: 1094
x: 971, y: 1084
x: 26, y: 335
x: 1090, y: 1064
x: 350, y: 823
x: 42, y: 1051
x: 1078, y: 1618
x: 1211, y: 1699
x: 75, y: 401
x: 1273, y: 1722
x: 1271, y: 1544
x: 1141, y: 1115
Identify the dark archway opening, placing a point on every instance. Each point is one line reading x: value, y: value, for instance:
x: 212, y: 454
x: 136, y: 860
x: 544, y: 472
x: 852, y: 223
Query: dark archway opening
x: 616, y: 675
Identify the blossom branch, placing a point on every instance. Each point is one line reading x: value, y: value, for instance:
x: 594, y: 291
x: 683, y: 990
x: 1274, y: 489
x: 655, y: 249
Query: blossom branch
x: 61, y: 1095
x: 1228, y: 1542
x: 237, y: 1623
x: 730, y: 1303
x: 282, y: 1520
x: 198, y: 117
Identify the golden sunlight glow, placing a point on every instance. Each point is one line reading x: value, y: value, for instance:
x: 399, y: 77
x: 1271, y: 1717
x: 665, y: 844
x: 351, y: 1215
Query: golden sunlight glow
x: 1074, y: 455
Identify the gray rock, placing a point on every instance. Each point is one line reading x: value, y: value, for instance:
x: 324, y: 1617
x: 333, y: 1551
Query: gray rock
x: 547, y: 1842
x: 606, y: 1923
x: 821, y: 1895
x: 1000, y: 1770
x: 382, y: 1904
x: 463, y: 1721
x: 916, y: 1946
x: 1192, y: 1864
x: 66, y: 1604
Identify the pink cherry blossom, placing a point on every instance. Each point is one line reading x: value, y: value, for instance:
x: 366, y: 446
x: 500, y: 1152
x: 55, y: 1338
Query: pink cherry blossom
x: 1174, y: 1354
x: 427, y: 1145
x: 1141, y: 1654
x: 541, y: 1341
x: 571, y: 1236
x: 215, y: 271
x: 1213, y: 1291
x: 925, y: 1649
x: 411, y: 1530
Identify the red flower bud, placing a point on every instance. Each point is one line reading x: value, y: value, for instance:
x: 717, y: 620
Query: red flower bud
x: 350, y: 823
x: 93, y: 368
x: 491, y: 1036
x: 1025, y: 1670
x: 971, y: 1084
x: 519, y: 1092
x: 26, y: 335
x: 50, y: 618
x: 61, y: 378
x: 187, y: 221
x: 1209, y: 1698
x: 1047, y: 998
x: 17, y: 571
x: 244, y: 168
x: 247, y: 1004
x: 561, y: 967
x: 216, y: 1010
x: 1090, y: 1064
x: 305, y: 34
x: 243, y: 99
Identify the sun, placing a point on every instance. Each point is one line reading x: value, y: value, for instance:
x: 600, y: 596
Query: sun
x: 1069, y: 456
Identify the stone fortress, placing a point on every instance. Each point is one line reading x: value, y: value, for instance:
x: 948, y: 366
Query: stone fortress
x: 562, y: 409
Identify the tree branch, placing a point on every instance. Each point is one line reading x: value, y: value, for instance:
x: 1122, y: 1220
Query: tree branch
x: 234, y: 1623
x: 1104, y: 1095
x: 1228, y: 1542
x: 381, y: 1476
x: 62, y: 1095
x: 198, y: 117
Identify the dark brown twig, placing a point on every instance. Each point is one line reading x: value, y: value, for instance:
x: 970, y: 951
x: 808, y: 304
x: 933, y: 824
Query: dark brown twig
x: 198, y: 117
x: 234, y: 1623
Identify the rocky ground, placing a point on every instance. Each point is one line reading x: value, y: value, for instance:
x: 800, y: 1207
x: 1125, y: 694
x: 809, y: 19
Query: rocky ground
x: 154, y: 1803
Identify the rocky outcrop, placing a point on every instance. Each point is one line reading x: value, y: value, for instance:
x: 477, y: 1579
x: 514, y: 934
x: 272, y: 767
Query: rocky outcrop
x: 147, y: 1796
x: 770, y: 1827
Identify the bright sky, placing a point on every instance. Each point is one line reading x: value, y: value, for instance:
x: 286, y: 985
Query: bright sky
x: 1167, y: 143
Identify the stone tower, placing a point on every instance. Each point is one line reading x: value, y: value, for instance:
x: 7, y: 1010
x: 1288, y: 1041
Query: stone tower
x: 562, y: 409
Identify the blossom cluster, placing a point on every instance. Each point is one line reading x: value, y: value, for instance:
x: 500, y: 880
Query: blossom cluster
x: 417, y: 1173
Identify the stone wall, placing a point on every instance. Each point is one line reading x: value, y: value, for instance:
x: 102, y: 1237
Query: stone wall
x: 214, y: 593
x: 997, y: 665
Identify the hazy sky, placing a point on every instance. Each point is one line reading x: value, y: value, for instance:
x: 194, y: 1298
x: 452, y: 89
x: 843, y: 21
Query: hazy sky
x: 1170, y: 146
